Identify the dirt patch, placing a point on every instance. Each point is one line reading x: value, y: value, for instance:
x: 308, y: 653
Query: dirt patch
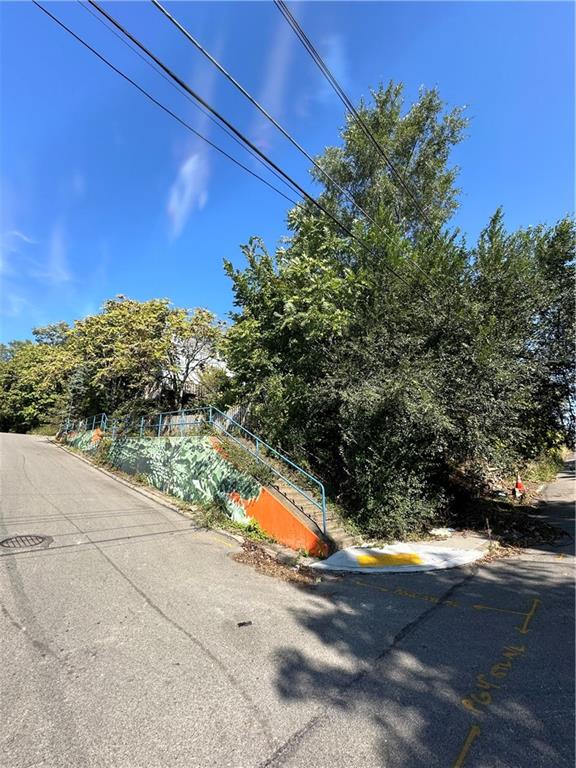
x: 261, y: 561
x: 498, y: 551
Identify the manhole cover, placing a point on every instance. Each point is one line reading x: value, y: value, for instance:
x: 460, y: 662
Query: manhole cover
x: 17, y: 542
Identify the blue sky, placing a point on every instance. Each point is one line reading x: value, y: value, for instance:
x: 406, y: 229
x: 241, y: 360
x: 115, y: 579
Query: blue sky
x: 102, y: 193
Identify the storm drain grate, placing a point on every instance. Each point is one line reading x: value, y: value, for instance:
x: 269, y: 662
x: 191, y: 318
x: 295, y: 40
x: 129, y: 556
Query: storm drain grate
x: 17, y: 542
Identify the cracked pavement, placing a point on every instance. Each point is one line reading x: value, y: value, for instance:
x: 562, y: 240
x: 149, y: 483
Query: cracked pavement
x: 121, y: 646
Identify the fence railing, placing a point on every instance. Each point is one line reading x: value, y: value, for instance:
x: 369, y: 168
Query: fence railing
x: 261, y: 450
x: 170, y: 423
x: 100, y: 420
x: 184, y: 422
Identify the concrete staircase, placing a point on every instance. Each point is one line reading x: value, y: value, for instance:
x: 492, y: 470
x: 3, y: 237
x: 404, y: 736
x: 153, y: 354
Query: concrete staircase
x: 337, y: 536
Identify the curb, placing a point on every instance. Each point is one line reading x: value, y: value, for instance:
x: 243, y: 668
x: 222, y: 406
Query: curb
x: 281, y: 554
x: 133, y: 486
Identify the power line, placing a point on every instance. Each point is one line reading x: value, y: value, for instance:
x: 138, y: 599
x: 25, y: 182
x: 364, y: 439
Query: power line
x: 278, y: 126
x: 160, y: 105
x: 253, y: 101
x: 306, y: 42
x: 210, y: 143
x: 188, y: 35
x: 302, y: 192
x: 178, y: 90
x: 298, y: 189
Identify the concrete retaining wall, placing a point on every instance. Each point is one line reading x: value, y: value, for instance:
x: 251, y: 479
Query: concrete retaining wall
x: 195, y: 469
x: 186, y: 467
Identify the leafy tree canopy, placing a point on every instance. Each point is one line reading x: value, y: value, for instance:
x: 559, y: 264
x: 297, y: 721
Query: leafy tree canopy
x: 131, y: 357
x: 390, y: 367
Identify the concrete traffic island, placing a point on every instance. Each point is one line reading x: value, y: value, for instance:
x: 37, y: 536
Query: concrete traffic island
x: 460, y: 549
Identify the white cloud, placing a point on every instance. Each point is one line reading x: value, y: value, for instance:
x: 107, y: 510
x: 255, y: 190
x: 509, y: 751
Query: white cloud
x: 13, y: 305
x: 15, y: 234
x: 34, y: 271
x: 57, y: 267
x: 273, y: 92
x: 332, y: 49
x: 13, y: 245
x: 19, y: 256
x: 333, y: 52
x: 54, y: 269
x: 13, y: 241
x: 102, y: 263
x: 188, y: 192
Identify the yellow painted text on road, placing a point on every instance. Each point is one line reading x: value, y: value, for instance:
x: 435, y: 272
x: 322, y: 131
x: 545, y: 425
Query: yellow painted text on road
x: 473, y: 734
x: 529, y: 616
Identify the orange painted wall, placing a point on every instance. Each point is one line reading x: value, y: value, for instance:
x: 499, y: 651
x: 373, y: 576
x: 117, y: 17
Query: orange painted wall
x: 97, y: 436
x: 278, y: 521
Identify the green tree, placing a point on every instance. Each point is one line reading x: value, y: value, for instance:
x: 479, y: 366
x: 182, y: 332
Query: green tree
x: 33, y: 384
x: 124, y: 353
x: 390, y: 367
x: 55, y: 333
x: 195, y: 339
x: 130, y: 358
x: 553, y: 411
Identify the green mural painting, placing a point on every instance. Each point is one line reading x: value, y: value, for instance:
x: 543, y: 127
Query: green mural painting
x: 189, y: 468
x: 84, y: 441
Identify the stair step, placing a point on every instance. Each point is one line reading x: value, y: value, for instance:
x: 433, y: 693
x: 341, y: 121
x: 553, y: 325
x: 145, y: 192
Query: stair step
x: 334, y: 528
x: 345, y: 543
x: 301, y: 500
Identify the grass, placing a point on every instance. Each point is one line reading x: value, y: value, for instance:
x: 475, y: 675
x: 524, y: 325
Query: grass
x: 48, y: 430
x: 545, y: 468
x: 245, y: 462
x: 215, y: 517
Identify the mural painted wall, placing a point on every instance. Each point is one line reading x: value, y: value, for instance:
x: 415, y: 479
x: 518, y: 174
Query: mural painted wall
x: 188, y: 468
x: 194, y: 468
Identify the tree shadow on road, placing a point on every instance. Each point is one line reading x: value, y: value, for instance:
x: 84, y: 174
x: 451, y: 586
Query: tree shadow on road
x: 416, y: 667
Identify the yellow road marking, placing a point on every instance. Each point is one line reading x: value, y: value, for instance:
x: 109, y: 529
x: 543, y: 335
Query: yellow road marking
x: 500, y: 610
x: 473, y: 734
x: 371, y: 586
x: 401, y: 558
x: 529, y: 616
x: 401, y: 592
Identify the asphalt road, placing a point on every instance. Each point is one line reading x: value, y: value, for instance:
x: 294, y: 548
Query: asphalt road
x: 120, y: 644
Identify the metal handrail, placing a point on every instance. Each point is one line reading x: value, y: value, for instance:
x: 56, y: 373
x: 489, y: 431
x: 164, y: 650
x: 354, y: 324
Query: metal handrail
x: 105, y: 424
x: 98, y: 420
x: 261, y: 443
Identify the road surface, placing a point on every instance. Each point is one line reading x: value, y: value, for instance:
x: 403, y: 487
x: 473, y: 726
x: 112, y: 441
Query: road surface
x: 120, y: 644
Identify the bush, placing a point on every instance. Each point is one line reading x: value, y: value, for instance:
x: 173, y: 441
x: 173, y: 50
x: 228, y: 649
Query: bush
x: 545, y: 468
x: 245, y: 462
x: 403, y: 508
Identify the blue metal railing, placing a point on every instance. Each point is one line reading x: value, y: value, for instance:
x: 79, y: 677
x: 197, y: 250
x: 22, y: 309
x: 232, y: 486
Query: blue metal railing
x: 215, y: 415
x: 100, y: 420
x: 163, y: 424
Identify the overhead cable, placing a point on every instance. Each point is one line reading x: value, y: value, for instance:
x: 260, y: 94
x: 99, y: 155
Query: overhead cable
x: 160, y: 105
